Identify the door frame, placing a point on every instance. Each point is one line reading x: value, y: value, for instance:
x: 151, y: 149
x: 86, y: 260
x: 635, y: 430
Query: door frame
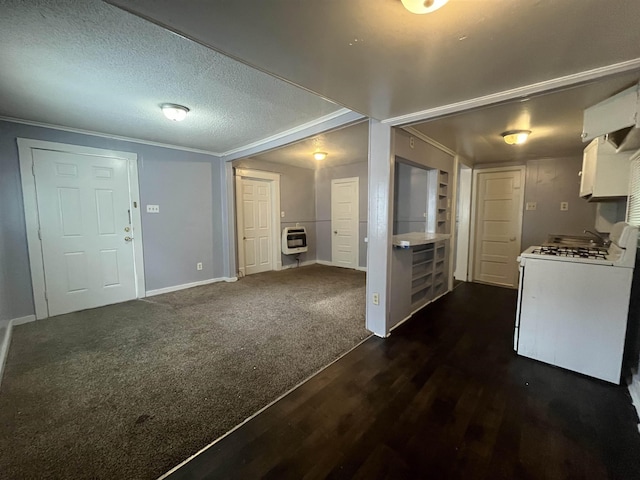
x: 356, y: 221
x: 464, y: 194
x: 32, y: 215
x: 474, y: 210
x: 273, y: 179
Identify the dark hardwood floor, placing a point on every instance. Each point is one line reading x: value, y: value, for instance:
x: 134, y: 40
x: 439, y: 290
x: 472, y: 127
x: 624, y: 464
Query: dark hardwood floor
x: 444, y: 397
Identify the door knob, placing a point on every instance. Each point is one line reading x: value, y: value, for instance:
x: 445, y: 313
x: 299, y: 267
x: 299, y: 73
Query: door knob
x: 127, y: 229
x: 128, y: 239
x: 335, y: 232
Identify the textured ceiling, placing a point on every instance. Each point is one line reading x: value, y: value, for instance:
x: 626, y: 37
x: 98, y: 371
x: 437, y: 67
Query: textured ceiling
x: 375, y: 57
x: 555, y: 120
x: 88, y: 65
x: 345, y: 146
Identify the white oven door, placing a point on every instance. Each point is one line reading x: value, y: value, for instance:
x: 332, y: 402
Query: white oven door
x: 574, y: 315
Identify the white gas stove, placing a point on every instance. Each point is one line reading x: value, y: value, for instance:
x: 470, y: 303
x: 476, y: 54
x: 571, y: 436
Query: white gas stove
x: 573, y: 304
x: 621, y: 252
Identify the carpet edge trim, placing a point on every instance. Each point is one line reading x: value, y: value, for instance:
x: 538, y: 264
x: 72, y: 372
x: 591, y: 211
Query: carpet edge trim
x: 207, y: 447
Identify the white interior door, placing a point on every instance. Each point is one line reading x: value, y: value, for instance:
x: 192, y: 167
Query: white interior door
x: 257, y: 231
x: 83, y: 204
x: 498, y: 226
x: 344, y: 222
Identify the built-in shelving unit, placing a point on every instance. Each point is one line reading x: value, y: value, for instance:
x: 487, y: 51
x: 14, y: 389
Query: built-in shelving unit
x: 423, y: 187
x: 440, y: 270
x: 442, y: 215
x: 421, y: 274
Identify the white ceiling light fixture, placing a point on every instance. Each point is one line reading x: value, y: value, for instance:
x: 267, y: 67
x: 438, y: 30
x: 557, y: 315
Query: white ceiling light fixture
x: 423, y: 6
x: 515, y: 137
x: 174, y: 112
x: 319, y: 156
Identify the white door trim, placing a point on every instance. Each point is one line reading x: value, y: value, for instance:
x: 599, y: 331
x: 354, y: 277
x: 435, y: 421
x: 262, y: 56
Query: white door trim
x: 464, y: 231
x: 274, y: 185
x: 34, y: 245
x: 357, y: 217
x: 474, y: 209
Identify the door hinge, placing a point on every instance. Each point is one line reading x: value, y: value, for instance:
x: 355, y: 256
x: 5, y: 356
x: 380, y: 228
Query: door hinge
x: 46, y: 297
x: 33, y: 169
x: 39, y: 234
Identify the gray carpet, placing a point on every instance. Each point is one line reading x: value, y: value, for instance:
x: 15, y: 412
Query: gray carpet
x: 131, y: 390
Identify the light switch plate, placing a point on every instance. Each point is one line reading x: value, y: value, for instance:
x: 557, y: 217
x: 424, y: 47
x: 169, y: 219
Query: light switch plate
x: 531, y: 205
x: 153, y: 208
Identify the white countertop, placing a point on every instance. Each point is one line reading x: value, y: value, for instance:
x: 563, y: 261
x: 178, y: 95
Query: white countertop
x: 412, y: 239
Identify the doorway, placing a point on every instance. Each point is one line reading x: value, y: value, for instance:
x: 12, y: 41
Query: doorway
x: 258, y: 221
x: 498, y: 225
x: 84, y: 230
x: 345, y: 222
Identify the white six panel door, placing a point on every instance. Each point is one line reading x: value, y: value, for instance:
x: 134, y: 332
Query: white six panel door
x: 498, y: 227
x: 256, y: 213
x: 83, y: 205
x: 344, y: 222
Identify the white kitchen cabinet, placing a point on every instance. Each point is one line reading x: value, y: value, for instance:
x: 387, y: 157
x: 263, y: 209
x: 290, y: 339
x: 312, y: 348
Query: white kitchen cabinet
x: 605, y: 173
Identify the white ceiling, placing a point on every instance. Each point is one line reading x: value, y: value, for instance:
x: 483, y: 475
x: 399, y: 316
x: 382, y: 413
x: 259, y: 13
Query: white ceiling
x: 375, y: 57
x: 85, y: 64
x: 88, y: 65
x: 554, y: 119
x: 344, y: 146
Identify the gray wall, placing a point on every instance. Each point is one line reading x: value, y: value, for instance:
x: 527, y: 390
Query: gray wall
x: 187, y: 230
x: 410, y: 199
x: 323, y: 207
x: 297, y: 200
x: 549, y: 182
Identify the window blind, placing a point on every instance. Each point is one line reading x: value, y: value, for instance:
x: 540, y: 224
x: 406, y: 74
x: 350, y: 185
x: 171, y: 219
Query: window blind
x: 633, y: 203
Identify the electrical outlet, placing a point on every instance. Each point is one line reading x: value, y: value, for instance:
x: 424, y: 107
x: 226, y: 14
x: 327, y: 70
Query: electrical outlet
x: 376, y: 299
x: 412, y: 142
x: 564, y: 206
x: 281, y: 214
x: 153, y: 208
x: 199, y: 266
x: 531, y: 205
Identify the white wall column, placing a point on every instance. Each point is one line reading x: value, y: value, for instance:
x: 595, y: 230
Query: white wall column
x: 381, y: 172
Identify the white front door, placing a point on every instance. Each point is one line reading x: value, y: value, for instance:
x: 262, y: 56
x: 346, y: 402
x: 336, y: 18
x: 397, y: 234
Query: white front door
x: 498, y: 226
x: 344, y: 222
x: 257, y: 231
x: 83, y: 204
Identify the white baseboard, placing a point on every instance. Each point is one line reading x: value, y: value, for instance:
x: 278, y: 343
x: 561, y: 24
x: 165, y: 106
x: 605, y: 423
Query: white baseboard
x: 5, y: 341
x: 21, y: 320
x: 175, y: 288
x: 324, y: 262
x: 331, y: 264
x: 302, y: 264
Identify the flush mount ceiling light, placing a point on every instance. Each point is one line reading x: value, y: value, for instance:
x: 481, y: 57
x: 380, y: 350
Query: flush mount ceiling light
x: 320, y: 155
x: 515, y: 137
x: 174, y: 112
x: 423, y: 6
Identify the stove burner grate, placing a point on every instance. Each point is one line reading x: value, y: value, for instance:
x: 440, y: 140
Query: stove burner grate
x: 574, y: 252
